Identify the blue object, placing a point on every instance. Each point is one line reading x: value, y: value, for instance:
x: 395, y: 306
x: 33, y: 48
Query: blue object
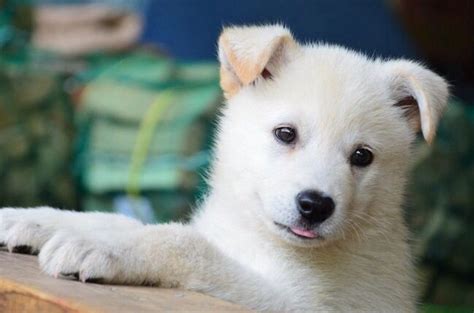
x: 188, y: 29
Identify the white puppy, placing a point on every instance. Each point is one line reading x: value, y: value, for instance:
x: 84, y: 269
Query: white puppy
x: 304, y: 207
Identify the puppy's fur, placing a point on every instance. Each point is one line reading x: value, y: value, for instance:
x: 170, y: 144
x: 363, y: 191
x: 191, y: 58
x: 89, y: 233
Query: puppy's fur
x: 239, y: 245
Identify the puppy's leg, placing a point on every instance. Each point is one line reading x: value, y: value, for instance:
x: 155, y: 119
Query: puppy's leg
x: 27, y: 230
x: 170, y: 255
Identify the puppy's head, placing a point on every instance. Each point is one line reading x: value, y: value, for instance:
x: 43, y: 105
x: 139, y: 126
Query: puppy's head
x: 318, y: 137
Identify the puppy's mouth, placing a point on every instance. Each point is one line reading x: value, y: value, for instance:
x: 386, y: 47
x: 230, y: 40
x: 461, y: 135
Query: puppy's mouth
x: 300, y: 232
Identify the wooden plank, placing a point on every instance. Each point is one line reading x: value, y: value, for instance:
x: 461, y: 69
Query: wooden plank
x: 23, y: 288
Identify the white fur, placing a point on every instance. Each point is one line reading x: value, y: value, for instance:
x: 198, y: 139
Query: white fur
x: 337, y: 99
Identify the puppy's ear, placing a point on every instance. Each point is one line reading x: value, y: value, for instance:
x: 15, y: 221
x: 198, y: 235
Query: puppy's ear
x: 245, y: 53
x: 422, y: 95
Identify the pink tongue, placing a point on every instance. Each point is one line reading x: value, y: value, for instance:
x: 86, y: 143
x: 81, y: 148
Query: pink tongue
x: 304, y: 233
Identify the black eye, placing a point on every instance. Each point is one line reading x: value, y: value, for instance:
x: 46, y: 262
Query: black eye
x: 361, y: 157
x: 285, y: 134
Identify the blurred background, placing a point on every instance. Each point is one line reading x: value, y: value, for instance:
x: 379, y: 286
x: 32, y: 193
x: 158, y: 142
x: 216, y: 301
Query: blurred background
x: 110, y: 105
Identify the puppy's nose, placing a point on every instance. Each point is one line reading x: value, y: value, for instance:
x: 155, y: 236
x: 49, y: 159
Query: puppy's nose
x: 314, y: 206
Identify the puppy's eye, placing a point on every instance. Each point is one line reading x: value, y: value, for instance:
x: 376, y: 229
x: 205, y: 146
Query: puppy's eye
x: 361, y: 157
x: 285, y: 134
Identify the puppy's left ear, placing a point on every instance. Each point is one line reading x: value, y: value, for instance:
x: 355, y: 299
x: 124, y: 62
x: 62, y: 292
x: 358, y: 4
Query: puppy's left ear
x: 422, y: 95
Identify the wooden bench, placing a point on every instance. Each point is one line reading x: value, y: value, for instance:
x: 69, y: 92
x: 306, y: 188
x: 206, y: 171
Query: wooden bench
x: 23, y: 288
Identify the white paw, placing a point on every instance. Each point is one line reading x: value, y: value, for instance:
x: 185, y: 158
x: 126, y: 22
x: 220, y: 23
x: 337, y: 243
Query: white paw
x: 25, y: 231
x: 90, y: 258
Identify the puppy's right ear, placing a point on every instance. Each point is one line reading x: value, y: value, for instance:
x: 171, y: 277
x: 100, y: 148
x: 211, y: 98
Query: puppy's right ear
x: 245, y: 53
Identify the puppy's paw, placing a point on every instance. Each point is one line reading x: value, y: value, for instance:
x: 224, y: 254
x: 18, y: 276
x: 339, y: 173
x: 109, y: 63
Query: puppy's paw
x: 89, y: 259
x: 25, y: 231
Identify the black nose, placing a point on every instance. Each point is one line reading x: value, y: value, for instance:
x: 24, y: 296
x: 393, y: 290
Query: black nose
x: 314, y: 206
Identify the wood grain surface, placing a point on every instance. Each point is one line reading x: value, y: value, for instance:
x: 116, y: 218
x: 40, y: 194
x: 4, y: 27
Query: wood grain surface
x: 23, y: 288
